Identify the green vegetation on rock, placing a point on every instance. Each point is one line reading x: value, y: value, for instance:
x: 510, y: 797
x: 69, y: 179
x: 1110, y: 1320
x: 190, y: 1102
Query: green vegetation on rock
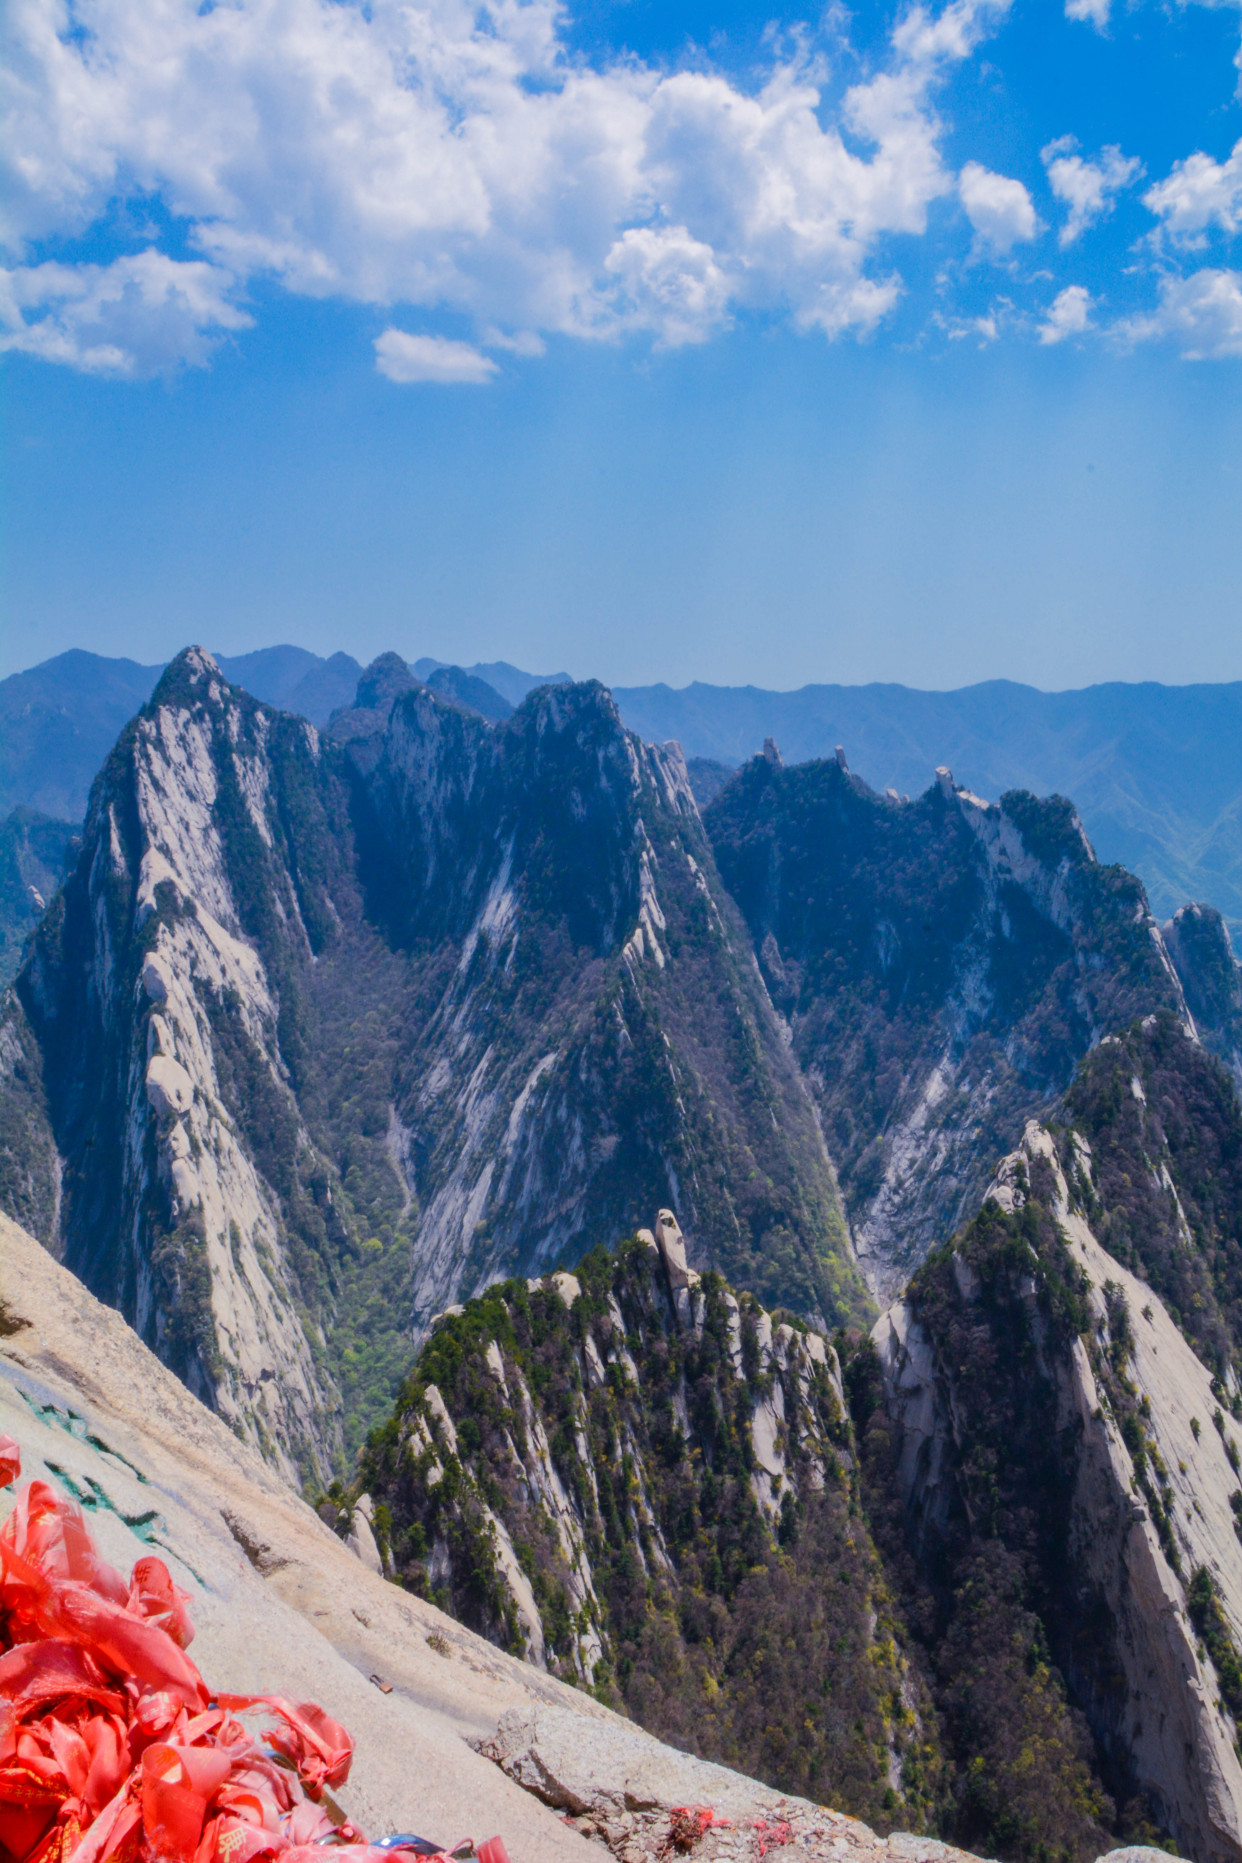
x: 673, y: 1476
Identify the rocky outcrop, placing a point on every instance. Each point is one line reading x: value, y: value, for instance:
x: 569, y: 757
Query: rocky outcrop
x: 942, y: 965
x: 1198, y: 943
x: 645, y: 1801
x: 641, y: 1481
x: 1117, y: 1445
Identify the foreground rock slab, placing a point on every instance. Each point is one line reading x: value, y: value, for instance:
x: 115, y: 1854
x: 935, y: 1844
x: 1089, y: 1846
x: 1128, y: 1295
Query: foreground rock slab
x: 279, y: 1604
x: 645, y: 1801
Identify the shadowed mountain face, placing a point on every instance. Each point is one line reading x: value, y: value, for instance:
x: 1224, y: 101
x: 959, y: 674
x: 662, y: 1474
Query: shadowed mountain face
x: 33, y: 851
x: 328, y: 1031
x: 943, y: 965
x: 451, y: 682
x: 1155, y: 771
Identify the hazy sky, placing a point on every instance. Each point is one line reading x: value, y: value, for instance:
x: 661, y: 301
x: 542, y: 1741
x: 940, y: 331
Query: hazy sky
x: 656, y: 342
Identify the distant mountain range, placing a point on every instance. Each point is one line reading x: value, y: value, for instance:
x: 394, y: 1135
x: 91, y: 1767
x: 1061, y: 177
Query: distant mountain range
x: 1154, y: 771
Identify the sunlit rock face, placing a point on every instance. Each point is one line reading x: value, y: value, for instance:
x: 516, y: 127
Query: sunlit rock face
x: 324, y: 1031
x: 1063, y: 1400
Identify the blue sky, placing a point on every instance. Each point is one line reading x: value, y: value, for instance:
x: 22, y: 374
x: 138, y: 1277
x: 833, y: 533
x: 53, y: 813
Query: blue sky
x: 649, y: 341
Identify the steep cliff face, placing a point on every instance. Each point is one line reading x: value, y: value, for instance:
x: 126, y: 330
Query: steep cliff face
x: 641, y: 1481
x: 162, y: 992
x: 1056, y: 1442
x: 329, y: 1030
x: 596, y: 1040
x: 33, y: 851
x: 943, y: 964
x: 1198, y: 943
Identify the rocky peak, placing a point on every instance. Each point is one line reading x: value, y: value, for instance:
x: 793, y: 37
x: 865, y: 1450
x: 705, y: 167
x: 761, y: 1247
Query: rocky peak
x: 1057, y: 1440
x: 362, y: 724
x: 942, y: 966
x: 194, y: 672
x: 639, y: 1479
x: 346, y: 1027
x: 1198, y: 944
x: 382, y: 682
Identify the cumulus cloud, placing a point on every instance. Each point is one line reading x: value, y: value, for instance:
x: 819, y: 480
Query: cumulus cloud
x: 999, y: 208
x: 403, y: 357
x: 669, y: 282
x: 141, y: 315
x: 451, y: 155
x: 1094, y: 12
x: 1199, y: 194
x: 1202, y: 314
x: 1087, y: 188
x: 1069, y: 315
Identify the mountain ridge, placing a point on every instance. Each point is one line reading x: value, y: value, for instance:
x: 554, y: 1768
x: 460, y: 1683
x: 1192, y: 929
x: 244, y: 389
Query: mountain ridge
x: 1027, y: 1640
x: 1151, y: 768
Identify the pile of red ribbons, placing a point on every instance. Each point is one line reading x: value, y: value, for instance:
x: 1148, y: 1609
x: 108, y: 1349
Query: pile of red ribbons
x: 112, y: 1747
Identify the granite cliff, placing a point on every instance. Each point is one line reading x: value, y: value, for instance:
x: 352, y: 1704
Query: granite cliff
x: 1051, y: 1446
x: 978, y: 1572
x: 942, y: 964
x: 642, y: 1481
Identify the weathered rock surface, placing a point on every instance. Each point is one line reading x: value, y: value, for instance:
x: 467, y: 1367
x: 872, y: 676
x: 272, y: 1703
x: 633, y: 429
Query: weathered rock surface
x: 625, y: 1791
x: 943, y: 965
x: 1152, y: 1488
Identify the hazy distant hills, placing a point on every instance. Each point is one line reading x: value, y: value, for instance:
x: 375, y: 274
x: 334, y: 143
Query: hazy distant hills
x: 1155, y: 771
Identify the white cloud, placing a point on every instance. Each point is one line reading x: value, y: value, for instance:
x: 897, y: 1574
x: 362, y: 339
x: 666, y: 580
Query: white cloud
x: 1202, y: 314
x: 519, y: 343
x: 999, y: 208
x: 984, y: 330
x: 451, y: 155
x: 1086, y: 187
x: 141, y: 315
x: 1198, y: 194
x: 1069, y: 315
x: 1093, y: 11
x: 403, y: 357
x: 669, y: 282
